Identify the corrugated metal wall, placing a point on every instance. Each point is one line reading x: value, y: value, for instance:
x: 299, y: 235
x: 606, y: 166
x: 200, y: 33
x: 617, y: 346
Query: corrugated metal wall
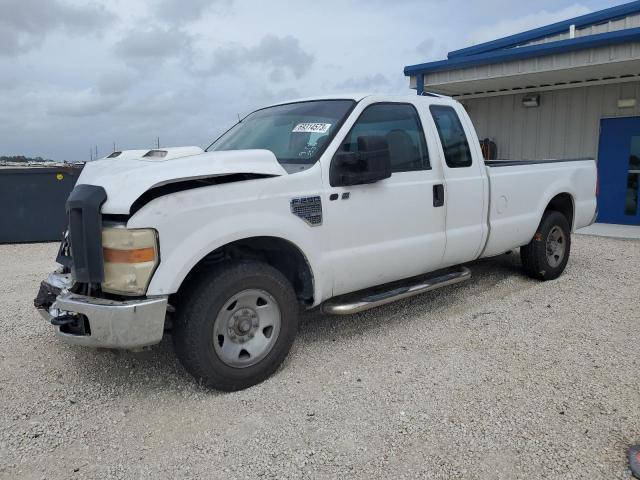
x: 33, y: 201
x: 565, y: 125
x: 609, y: 56
x: 624, y: 23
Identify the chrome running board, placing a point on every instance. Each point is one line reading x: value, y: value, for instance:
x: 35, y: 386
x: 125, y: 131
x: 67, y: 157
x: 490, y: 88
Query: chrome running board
x: 353, y: 303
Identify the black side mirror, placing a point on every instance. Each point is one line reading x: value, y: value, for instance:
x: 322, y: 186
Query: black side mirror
x: 371, y: 163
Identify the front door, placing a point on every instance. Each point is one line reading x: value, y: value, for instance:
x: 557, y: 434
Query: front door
x: 393, y: 228
x: 619, y: 171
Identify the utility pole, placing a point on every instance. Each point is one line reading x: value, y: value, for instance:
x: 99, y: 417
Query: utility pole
x: 91, y: 153
x: 96, y: 152
x: 114, y: 146
x: 158, y: 142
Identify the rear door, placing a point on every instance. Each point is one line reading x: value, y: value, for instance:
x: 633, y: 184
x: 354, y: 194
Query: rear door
x: 390, y: 229
x: 466, y: 186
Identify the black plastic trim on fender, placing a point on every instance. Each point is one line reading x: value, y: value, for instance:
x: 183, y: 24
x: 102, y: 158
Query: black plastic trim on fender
x: 85, y: 233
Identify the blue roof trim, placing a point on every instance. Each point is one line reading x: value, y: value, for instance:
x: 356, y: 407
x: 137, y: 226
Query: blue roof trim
x: 553, y: 29
x: 551, y: 48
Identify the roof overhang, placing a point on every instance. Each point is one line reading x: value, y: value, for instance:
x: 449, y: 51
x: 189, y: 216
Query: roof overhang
x: 560, y: 55
x: 553, y: 79
x: 532, y: 51
x: 594, y: 18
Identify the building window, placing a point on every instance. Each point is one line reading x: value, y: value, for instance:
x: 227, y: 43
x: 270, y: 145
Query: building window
x: 633, y: 178
x: 454, y: 141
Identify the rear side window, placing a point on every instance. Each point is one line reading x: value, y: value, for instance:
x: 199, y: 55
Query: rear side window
x: 454, y: 141
x: 399, y: 125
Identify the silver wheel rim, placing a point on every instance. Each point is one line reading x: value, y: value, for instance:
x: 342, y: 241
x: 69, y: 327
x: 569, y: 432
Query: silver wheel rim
x: 246, y: 328
x: 556, y: 246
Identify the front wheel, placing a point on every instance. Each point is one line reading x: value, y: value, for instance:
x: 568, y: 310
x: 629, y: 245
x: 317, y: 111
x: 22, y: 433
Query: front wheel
x: 546, y: 255
x: 236, y: 325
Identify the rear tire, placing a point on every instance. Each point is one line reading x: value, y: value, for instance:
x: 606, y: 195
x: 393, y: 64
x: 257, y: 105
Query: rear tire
x: 546, y: 255
x: 236, y: 325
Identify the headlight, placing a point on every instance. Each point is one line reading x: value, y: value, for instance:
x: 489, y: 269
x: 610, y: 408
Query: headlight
x: 130, y: 257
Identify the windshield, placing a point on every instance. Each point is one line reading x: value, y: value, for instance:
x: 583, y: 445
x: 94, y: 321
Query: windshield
x: 295, y: 133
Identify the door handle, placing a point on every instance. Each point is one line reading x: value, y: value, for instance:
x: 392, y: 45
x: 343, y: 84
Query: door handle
x: 438, y: 195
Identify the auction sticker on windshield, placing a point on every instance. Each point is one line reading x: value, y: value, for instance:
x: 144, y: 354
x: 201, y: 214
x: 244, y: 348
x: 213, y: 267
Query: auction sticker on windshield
x: 312, y: 128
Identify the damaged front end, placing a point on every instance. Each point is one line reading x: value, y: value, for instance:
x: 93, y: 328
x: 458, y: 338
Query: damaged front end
x: 59, y: 284
x: 71, y: 298
x: 93, y: 321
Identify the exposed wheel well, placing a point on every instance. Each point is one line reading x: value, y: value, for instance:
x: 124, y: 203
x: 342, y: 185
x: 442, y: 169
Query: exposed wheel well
x: 277, y: 252
x: 562, y: 203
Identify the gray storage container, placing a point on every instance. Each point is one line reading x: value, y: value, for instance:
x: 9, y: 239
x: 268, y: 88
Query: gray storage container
x: 34, y: 199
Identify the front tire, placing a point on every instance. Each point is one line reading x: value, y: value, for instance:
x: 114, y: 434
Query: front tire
x: 236, y: 325
x: 546, y: 255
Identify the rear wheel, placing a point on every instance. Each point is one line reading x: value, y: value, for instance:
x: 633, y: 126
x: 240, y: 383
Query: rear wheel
x: 236, y: 325
x: 546, y: 255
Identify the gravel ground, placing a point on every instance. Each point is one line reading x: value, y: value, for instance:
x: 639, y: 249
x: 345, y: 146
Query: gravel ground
x: 501, y: 377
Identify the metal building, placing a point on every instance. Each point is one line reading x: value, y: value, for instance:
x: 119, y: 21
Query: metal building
x: 567, y: 90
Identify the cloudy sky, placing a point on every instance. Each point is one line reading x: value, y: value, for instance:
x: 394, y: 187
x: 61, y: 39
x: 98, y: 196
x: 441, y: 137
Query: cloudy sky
x: 77, y: 73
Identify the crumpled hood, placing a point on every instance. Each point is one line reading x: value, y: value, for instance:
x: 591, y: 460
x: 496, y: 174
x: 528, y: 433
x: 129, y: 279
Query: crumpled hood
x: 125, y: 179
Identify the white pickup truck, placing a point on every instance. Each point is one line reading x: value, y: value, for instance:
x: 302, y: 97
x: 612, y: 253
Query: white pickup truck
x: 344, y: 202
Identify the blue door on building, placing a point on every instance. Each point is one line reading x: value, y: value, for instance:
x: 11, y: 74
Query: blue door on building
x: 619, y: 171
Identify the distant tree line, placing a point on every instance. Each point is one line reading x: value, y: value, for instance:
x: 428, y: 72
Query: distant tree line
x: 23, y: 159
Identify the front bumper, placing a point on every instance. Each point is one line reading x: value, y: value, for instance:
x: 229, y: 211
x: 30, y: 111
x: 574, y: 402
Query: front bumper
x: 106, y: 323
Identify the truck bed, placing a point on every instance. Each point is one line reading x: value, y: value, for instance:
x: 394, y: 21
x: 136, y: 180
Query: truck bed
x: 520, y: 191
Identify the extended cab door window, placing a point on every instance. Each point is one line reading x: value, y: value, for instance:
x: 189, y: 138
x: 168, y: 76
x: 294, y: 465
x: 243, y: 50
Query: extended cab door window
x: 399, y: 124
x: 454, y: 141
x: 465, y: 185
